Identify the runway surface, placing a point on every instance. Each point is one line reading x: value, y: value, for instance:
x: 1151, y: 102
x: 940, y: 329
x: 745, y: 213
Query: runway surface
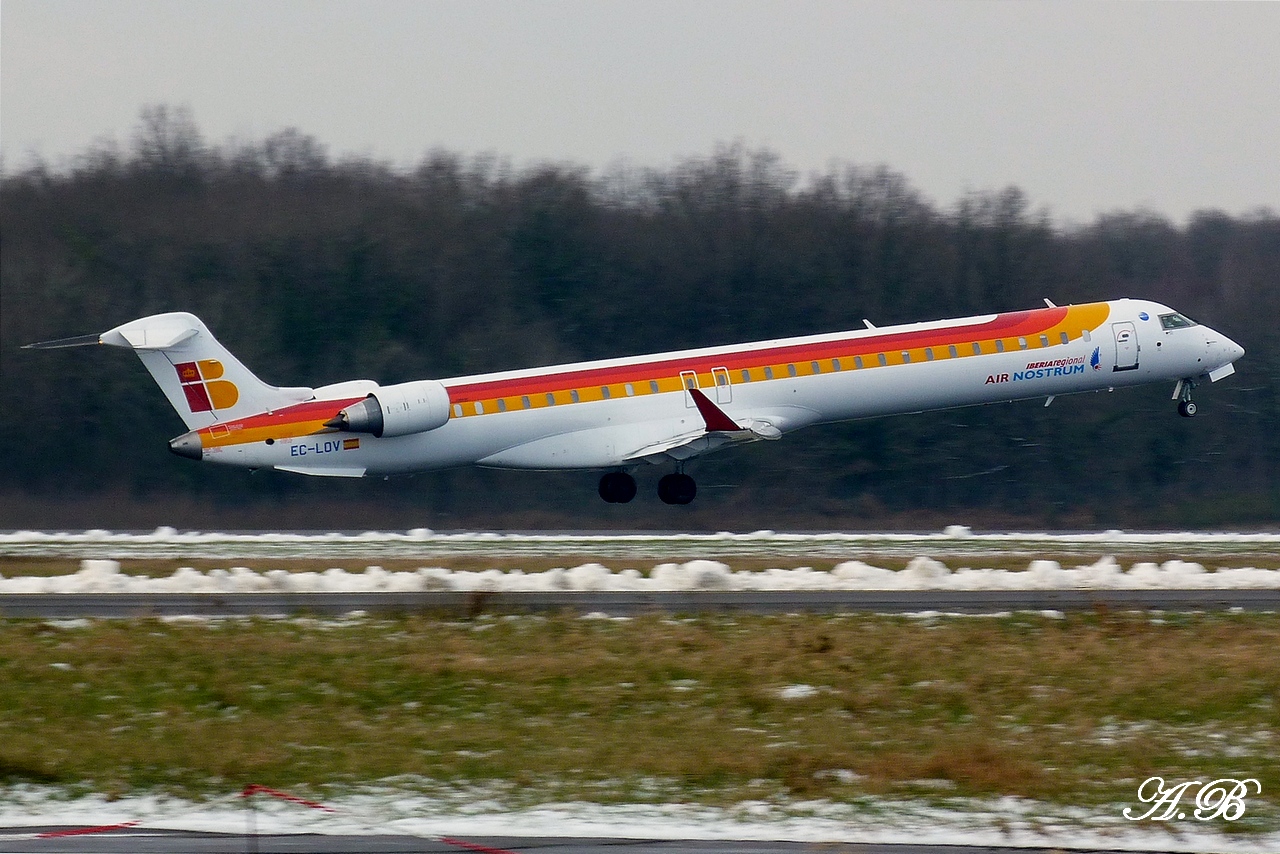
x: 21, y: 841
x: 629, y: 603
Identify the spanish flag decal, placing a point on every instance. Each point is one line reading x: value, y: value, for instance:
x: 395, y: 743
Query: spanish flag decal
x: 350, y: 444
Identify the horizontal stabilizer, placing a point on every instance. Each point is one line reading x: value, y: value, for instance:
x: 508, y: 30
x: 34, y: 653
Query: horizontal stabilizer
x: 73, y: 341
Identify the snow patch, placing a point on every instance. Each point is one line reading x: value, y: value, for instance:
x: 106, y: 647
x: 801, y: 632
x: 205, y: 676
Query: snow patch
x: 1001, y: 822
x: 101, y: 551
x: 100, y: 576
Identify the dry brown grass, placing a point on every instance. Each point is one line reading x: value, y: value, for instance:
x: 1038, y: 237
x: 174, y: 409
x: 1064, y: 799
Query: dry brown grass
x: 1075, y: 711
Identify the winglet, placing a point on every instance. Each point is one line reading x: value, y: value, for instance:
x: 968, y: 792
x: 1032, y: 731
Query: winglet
x: 717, y: 421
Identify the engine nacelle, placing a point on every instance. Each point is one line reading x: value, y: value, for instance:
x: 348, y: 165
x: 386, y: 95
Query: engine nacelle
x: 397, y: 410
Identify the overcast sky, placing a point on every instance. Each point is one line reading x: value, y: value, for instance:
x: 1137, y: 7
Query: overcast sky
x: 1088, y: 107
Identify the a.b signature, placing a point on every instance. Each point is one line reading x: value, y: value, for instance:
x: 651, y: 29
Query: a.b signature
x: 1222, y: 798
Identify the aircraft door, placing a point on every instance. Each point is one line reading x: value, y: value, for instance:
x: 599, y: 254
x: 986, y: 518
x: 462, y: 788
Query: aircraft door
x: 688, y: 380
x: 1126, y: 345
x: 724, y: 387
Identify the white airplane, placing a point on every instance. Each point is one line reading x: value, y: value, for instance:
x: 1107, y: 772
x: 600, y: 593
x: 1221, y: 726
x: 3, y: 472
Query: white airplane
x: 664, y: 409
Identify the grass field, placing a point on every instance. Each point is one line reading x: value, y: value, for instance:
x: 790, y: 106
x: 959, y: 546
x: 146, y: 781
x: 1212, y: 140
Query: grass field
x: 1074, y: 711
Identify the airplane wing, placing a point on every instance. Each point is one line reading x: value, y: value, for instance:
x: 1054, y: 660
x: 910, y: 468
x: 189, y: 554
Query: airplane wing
x: 657, y: 441
x: 719, y: 430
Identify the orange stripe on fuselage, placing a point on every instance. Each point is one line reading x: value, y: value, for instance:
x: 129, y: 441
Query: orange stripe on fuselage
x: 1005, y: 327
x: 301, y: 419
x: 762, y: 362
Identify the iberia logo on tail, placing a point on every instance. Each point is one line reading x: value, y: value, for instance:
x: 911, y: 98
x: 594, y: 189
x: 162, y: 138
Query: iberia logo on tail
x: 203, y: 387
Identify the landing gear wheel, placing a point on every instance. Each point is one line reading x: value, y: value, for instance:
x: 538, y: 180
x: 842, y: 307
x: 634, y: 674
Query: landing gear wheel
x: 677, y: 488
x: 617, y: 487
x: 1182, y: 394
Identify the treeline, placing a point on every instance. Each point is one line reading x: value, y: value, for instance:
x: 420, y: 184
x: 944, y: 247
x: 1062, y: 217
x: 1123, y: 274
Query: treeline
x: 315, y: 270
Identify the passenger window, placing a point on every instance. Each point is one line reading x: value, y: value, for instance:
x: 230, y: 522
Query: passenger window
x: 835, y: 364
x: 817, y: 369
x: 604, y: 392
x: 881, y: 358
x: 999, y: 345
x: 1044, y: 340
x: 457, y: 410
x: 768, y: 372
x: 551, y: 399
x: 653, y: 386
x: 1022, y: 343
x: 1086, y: 336
x: 857, y: 361
x: 977, y: 348
x: 1063, y: 336
x: 502, y: 405
x: 746, y: 375
x: 479, y: 408
x: 955, y: 354
x: 928, y: 354
x: 906, y: 357
x: 573, y: 395
x: 630, y: 389
x: 791, y: 370
x: 525, y: 402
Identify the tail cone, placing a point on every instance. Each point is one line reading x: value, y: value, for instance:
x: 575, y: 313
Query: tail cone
x: 187, y: 445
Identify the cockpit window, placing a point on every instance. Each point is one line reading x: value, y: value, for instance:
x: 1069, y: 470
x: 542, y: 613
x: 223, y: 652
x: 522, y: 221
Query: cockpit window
x: 1175, y: 321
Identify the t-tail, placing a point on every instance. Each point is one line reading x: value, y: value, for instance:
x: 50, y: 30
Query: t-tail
x: 204, y: 382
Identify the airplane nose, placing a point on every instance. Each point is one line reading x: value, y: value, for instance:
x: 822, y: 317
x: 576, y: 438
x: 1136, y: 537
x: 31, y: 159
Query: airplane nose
x: 1234, y: 350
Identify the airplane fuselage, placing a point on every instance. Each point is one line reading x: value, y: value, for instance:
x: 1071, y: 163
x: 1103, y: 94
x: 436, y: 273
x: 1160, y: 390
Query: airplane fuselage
x: 603, y: 414
x: 665, y: 408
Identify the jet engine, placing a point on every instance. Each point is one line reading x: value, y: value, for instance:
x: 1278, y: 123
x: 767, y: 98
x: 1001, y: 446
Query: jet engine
x: 397, y: 410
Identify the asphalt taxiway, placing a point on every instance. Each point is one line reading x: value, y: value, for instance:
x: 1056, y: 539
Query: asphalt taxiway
x: 133, y: 841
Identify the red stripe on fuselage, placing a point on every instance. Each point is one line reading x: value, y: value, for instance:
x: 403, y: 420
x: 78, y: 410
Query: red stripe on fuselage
x: 1008, y: 325
x: 309, y: 411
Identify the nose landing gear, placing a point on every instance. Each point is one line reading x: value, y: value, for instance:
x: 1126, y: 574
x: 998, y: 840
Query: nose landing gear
x: 1182, y: 394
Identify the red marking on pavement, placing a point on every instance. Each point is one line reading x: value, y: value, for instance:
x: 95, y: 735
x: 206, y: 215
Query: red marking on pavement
x: 474, y: 846
x: 255, y: 789
x: 81, y: 831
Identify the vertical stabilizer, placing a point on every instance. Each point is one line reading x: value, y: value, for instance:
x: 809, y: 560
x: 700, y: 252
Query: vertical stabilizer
x: 203, y: 381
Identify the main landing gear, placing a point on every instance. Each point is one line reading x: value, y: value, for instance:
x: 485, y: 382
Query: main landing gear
x: 1182, y: 394
x: 618, y: 487
x: 677, y: 488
